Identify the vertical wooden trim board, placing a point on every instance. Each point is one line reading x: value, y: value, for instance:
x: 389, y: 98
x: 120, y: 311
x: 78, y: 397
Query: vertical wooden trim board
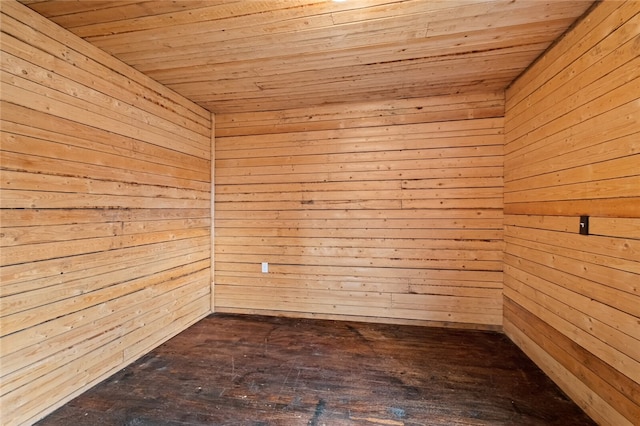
x: 106, y: 218
x: 212, y: 215
x: 572, y: 129
x: 374, y: 211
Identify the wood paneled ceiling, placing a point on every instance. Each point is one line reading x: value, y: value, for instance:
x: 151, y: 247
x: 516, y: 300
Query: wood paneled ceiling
x: 257, y: 55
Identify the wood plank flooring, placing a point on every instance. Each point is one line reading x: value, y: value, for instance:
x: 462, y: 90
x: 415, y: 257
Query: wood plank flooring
x: 254, y: 370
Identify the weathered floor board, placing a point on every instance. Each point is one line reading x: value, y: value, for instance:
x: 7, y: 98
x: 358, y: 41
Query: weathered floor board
x: 254, y: 370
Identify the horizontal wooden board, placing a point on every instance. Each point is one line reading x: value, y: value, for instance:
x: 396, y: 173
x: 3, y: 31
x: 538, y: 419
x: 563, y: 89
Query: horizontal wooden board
x: 27, y: 122
x: 328, y: 120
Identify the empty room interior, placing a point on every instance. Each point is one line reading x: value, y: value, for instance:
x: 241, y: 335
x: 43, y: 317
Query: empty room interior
x: 316, y: 212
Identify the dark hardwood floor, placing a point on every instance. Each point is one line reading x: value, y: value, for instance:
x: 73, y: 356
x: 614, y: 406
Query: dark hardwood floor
x: 252, y: 370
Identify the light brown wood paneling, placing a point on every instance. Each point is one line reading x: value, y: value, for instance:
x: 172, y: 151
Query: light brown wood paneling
x: 374, y: 211
x: 572, y: 301
x: 106, y: 215
x: 239, y: 56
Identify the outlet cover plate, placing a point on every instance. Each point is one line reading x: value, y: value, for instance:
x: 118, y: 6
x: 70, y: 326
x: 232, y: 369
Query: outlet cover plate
x: 584, y: 225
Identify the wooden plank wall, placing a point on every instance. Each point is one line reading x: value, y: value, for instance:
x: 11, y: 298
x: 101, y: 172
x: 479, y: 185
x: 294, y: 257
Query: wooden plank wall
x: 374, y: 211
x: 572, y: 125
x: 105, y: 215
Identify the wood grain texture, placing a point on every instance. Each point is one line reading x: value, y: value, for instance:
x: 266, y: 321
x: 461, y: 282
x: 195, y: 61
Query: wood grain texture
x: 239, y: 56
x: 249, y: 370
x: 360, y: 151
x: 106, y: 215
x: 375, y: 210
x: 572, y: 148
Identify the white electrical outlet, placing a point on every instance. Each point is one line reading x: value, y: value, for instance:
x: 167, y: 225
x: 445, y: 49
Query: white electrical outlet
x: 265, y: 267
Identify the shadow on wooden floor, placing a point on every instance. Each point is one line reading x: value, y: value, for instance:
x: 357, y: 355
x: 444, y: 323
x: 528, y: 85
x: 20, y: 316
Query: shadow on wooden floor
x: 252, y: 370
